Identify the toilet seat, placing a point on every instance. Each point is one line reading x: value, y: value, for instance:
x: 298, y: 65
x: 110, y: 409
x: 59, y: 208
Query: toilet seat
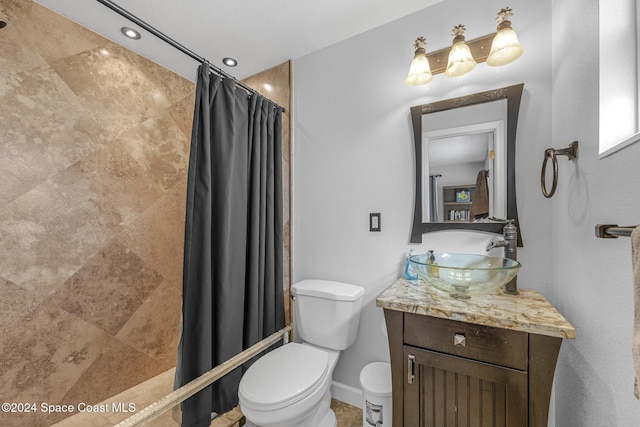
x: 283, y: 376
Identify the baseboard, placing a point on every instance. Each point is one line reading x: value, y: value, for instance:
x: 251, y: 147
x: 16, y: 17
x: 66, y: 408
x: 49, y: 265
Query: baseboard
x: 347, y: 394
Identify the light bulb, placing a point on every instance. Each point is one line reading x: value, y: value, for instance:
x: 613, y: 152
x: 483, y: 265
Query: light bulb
x: 131, y: 33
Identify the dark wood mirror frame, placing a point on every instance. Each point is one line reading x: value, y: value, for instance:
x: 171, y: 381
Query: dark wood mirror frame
x: 513, y: 95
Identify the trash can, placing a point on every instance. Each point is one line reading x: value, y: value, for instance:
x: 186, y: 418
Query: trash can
x: 375, y: 379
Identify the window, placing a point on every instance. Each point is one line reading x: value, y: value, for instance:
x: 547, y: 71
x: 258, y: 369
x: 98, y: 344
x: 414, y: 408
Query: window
x: 619, y: 88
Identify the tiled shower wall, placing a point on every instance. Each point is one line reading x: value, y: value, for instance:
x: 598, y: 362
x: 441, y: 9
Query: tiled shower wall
x: 94, y: 147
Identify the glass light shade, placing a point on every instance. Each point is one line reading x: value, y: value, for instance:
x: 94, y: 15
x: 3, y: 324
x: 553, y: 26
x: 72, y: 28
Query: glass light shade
x: 460, y: 60
x: 419, y: 71
x: 505, y: 48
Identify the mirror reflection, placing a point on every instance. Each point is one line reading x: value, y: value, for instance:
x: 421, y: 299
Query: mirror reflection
x: 465, y: 162
x: 464, y: 166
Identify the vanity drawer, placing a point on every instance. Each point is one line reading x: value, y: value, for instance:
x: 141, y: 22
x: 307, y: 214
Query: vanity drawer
x: 492, y: 345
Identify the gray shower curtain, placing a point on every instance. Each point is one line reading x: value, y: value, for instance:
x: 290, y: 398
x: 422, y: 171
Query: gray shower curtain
x: 434, y: 207
x: 232, y: 280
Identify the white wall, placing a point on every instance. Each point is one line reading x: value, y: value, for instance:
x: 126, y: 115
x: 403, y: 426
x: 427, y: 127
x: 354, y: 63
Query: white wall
x: 353, y: 152
x: 591, y: 277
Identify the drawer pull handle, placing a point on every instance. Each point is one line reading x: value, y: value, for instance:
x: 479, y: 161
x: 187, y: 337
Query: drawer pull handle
x: 459, y: 340
x: 410, y: 372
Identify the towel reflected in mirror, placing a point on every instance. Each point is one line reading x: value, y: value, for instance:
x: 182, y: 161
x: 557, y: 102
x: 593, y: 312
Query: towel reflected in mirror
x: 480, y: 202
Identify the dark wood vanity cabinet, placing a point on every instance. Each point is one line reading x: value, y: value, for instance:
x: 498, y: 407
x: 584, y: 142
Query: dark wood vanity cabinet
x: 451, y: 373
x: 453, y: 391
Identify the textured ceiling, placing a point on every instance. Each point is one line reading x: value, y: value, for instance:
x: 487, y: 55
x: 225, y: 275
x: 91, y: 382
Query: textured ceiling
x: 258, y: 33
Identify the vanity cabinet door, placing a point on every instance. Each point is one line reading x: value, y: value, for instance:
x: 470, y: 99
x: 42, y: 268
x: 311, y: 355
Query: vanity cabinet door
x: 441, y: 390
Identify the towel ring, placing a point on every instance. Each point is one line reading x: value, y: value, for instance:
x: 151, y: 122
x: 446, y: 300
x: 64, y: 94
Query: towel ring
x: 551, y: 153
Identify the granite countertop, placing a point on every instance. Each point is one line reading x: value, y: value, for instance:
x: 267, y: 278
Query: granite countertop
x: 528, y: 312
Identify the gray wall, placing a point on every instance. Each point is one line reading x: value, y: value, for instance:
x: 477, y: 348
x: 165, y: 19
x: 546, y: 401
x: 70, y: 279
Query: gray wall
x: 354, y: 155
x: 591, y: 277
x: 354, y: 152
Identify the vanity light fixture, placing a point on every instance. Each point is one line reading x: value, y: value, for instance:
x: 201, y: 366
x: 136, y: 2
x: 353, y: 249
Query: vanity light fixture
x: 131, y: 33
x: 229, y: 62
x: 495, y: 49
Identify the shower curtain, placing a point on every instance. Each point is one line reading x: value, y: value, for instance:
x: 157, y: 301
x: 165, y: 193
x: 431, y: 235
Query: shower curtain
x: 434, y: 208
x: 233, y: 274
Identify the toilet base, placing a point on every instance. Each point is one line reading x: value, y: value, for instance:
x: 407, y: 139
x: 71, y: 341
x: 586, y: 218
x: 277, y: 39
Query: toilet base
x: 322, y: 415
x: 329, y: 420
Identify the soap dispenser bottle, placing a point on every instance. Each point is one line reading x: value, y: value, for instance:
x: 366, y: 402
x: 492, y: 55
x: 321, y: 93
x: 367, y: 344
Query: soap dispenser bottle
x: 409, y: 272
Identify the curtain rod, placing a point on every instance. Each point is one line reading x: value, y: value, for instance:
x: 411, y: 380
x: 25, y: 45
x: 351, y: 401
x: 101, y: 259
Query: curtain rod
x: 133, y: 18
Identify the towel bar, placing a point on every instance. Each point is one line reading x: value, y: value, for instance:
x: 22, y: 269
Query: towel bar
x: 613, y: 231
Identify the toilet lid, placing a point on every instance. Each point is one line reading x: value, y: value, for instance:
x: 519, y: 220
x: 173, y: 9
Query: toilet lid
x: 286, y: 374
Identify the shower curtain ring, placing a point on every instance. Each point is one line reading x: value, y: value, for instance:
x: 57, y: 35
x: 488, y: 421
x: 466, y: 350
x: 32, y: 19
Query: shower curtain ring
x: 551, y: 153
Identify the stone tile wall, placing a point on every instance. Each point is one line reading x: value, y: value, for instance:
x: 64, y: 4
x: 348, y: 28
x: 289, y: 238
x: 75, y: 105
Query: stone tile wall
x: 94, y: 153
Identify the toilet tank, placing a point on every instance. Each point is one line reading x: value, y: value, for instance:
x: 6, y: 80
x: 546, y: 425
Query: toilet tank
x: 327, y: 314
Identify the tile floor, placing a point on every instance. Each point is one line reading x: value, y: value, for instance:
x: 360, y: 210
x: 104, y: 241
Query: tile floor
x: 151, y: 390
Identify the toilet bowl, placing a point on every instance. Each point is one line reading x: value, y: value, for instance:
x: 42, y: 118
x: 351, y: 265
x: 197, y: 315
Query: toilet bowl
x: 290, y: 386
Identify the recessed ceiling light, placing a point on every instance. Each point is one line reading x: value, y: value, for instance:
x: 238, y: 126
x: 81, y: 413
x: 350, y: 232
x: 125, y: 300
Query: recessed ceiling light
x: 130, y: 32
x: 229, y: 62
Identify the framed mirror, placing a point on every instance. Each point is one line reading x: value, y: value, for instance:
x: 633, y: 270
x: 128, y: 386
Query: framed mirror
x: 476, y: 149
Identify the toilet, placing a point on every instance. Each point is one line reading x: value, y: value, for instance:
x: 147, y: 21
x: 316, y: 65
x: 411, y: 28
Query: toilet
x: 290, y: 386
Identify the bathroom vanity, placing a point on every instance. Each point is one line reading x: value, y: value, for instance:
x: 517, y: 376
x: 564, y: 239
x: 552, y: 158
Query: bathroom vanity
x: 488, y: 358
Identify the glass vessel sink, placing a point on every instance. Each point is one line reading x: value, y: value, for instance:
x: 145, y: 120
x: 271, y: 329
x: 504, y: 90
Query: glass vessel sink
x: 464, y: 275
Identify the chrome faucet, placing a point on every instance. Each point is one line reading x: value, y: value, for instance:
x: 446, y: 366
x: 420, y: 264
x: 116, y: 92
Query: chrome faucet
x: 510, y: 245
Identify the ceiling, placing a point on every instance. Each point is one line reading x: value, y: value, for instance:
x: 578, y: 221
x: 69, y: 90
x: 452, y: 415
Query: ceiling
x: 258, y: 33
x: 459, y: 149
